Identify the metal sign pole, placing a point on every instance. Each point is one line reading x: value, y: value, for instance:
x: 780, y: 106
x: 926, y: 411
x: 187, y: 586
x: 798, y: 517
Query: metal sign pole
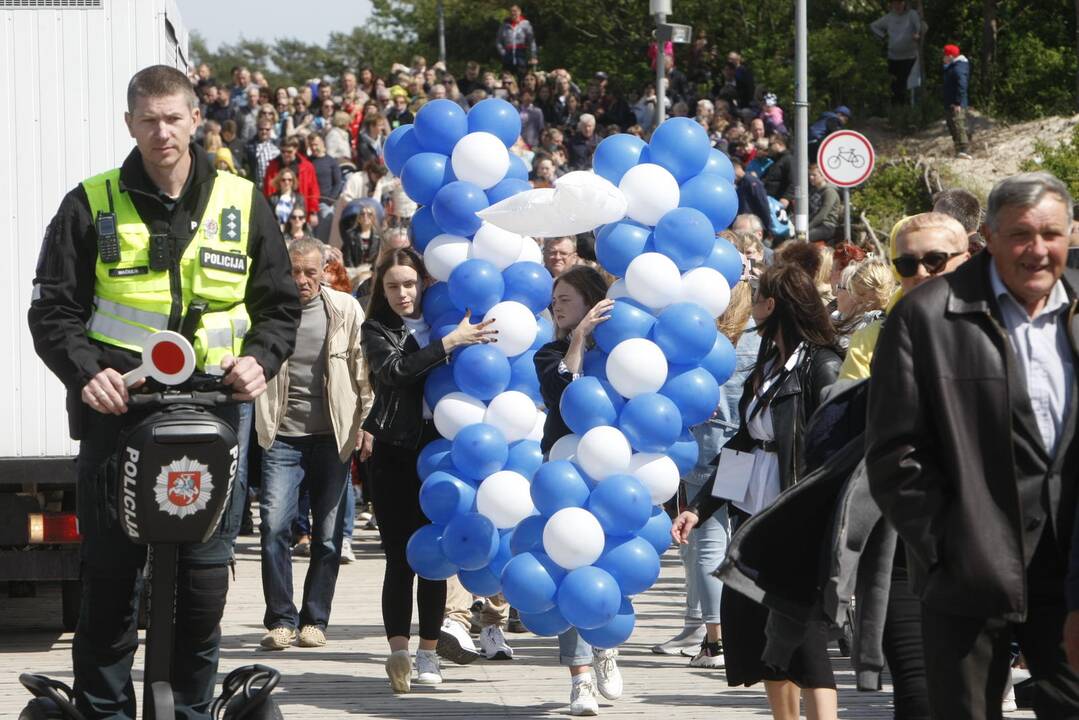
x: 846, y: 215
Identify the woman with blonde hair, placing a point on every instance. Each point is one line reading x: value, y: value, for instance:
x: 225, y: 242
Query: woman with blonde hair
x: 862, y: 293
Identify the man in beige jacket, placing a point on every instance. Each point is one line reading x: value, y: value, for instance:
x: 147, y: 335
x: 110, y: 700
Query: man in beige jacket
x: 308, y: 423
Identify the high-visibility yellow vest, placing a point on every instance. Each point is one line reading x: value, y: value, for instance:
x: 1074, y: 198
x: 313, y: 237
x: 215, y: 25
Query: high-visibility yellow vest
x: 132, y: 301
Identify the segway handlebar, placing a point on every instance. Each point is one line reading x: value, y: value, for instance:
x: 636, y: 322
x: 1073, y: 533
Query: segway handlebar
x: 204, y: 398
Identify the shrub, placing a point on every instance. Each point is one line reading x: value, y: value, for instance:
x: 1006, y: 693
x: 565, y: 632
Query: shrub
x: 893, y: 191
x: 1062, y: 161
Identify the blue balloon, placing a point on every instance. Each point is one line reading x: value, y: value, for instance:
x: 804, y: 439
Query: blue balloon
x: 558, y: 485
x: 400, y: 146
x: 481, y: 371
x: 528, y: 535
x: 470, y: 541
x: 506, y: 187
x: 480, y: 450
x: 626, y: 320
x: 495, y: 116
x: 621, y: 503
x: 681, y: 146
x: 423, y: 226
x: 719, y: 164
x: 530, y: 582
x: 519, y: 169
x: 632, y: 562
x: 476, y: 285
x: 482, y: 582
x: 435, y: 455
x: 651, y: 422
x: 439, y: 125
x: 714, y: 196
x: 616, y: 154
x: 685, y: 332
x: 684, y: 452
x: 525, y: 458
x: 528, y: 283
x: 595, y: 364
x: 685, y: 235
x: 694, y: 391
x: 423, y: 176
x: 523, y: 376
x: 504, y: 554
x: 727, y: 260
x: 545, y: 624
x: 425, y: 556
x: 657, y: 531
x: 617, y: 244
x: 545, y: 333
x: 614, y: 633
x: 721, y: 360
x: 439, y: 384
x: 436, y: 302
x: 585, y: 404
x: 589, y: 597
x: 444, y: 325
x: 455, y: 207
x: 443, y: 497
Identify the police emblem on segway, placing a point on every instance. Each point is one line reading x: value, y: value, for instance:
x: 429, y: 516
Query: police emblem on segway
x: 183, y: 487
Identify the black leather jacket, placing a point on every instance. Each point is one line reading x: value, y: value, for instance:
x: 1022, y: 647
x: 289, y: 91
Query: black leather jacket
x: 398, y: 367
x: 794, y: 402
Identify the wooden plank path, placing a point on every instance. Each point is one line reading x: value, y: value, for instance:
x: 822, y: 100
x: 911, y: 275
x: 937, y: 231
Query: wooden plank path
x: 346, y: 678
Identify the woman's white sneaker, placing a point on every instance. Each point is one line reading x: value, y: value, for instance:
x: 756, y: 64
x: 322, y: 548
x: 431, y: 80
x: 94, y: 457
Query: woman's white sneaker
x: 608, y: 676
x: 582, y: 696
x: 399, y: 670
x: 427, y: 669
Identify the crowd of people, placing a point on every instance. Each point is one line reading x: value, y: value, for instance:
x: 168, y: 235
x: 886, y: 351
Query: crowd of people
x: 963, y: 331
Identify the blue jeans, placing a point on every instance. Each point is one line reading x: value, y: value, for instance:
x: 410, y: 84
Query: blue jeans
x: 284, y: 467
x: 572, y: 650
x: 348, y: 512
x: 703, y: 553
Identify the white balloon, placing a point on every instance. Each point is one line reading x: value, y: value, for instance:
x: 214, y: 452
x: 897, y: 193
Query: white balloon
x: 564, y: 448
x: 537, y: 429
x: 636, y: 366
x: 480, y: 158
x: 603, y: 451
x: 650, y: 192
x: 573, y: 538
x: 444, y: 253
x: 658, y: 473
x: 455, y: 411
x: 499, y: 247
x: 708, y: 288
x: 530, y: 252
x: 653, y: 279
x: 516, y: 326
x: 512, y: 412
x: 617, y: 289
x: 504, y: 499
x: 579, y: 201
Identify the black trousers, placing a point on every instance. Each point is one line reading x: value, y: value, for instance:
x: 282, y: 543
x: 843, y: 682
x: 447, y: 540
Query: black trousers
x: 900, y: 71
x: 395, y: 494
x: 967, y: 658
x: 106, y: 636
x: 903, y: 647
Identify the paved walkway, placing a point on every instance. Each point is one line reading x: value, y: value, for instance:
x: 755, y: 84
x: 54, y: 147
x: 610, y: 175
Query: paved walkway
x: 346, y: 678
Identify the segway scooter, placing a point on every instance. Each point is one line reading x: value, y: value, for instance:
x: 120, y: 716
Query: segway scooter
x: 176, y: 469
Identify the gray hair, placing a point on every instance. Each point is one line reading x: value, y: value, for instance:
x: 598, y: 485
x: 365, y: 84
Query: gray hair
x: 306, y: 245
x: 754, y: 221
x: 1024, y: 190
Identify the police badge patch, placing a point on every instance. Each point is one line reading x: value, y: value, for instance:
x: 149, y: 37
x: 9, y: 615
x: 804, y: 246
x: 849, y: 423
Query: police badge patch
x: 183, y: 487
x: 231, y: 223
x: 210, y: 228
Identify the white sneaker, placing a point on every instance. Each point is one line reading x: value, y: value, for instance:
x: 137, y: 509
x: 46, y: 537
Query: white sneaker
x: 347, y: 556
x: 399, y: 669
x: 582, y: 697
x: 493, y: 644
x: 710, y: 656
x: 455, y: 644
x: 427, y: 670
x: 607, y: 674
x: 690, y: 637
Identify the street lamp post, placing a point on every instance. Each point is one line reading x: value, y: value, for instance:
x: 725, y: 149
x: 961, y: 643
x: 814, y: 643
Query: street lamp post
x: 801, y: 126
x: 441, y: 34
x: 660, y: 9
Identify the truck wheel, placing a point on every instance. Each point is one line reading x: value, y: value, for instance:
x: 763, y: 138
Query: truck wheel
x: 70, y: 599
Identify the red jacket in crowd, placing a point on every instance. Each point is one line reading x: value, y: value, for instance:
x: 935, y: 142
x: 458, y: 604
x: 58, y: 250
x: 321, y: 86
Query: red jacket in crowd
x: 306, y: 181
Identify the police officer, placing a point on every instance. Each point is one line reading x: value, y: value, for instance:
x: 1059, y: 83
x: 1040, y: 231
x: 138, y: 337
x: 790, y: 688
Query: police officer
x: 163, y: 242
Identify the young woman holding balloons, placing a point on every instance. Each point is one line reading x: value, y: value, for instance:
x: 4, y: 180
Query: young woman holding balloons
x: 400, y: 354
x: 796, y: 362
x: 578, y: 305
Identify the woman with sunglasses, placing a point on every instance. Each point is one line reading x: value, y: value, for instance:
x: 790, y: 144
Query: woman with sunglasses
x: 360, y: 242
x: 286, y: 199
x: 797, y: 360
